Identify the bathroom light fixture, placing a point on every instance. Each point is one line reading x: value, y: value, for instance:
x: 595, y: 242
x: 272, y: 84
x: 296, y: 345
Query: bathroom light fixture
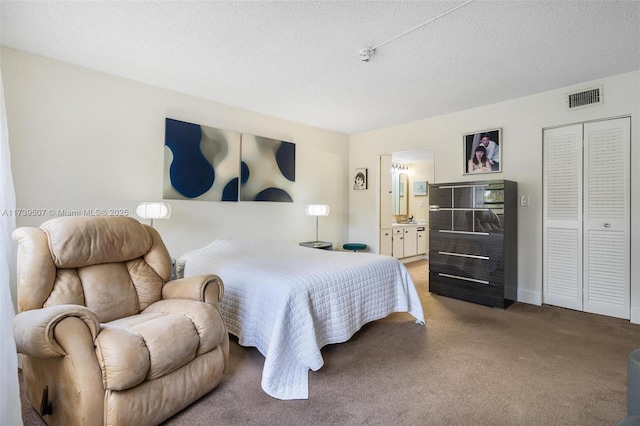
x: 317, y: 210
x: 366, y: 53
x: 397, y: 167
x: 153, y: 210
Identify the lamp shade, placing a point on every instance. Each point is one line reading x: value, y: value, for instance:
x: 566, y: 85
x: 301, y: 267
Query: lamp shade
x: 316, y: 210
x: 153, y: 210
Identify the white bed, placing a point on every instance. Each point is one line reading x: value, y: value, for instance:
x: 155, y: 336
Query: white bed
x: 289, y: 301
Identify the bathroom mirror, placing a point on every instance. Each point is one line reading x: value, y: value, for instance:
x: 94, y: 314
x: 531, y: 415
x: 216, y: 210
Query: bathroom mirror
x: 399, y: 193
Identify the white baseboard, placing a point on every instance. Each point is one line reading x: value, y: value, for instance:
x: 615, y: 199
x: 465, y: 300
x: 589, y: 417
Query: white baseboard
x: 530, y: 297
x: 414, y: 258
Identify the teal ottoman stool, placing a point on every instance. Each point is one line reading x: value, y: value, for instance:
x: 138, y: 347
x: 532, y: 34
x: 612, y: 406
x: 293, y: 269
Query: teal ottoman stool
x: 354, y: 246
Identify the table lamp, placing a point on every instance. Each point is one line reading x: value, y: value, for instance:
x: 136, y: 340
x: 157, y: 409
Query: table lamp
x: 316, y: 210
x: 153, y: 210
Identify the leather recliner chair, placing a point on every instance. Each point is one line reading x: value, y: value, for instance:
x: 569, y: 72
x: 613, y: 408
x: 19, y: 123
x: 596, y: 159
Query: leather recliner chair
x: 105, y: 331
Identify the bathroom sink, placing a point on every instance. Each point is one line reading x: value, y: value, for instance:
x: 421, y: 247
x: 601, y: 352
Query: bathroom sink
x: 422, y: 222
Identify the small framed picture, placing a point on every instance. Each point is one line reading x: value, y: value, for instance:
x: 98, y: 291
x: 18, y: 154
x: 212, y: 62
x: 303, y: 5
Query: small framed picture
x: 482, y: 152
x: 360, y: 179
x: 420, y: 187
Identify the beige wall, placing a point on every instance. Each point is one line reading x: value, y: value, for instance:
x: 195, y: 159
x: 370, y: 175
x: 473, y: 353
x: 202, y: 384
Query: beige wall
x: 83, y: 139
x: 522, y: 121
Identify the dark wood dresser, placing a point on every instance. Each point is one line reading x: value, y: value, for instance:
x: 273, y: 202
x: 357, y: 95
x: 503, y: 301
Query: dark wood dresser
x: 473, y: 241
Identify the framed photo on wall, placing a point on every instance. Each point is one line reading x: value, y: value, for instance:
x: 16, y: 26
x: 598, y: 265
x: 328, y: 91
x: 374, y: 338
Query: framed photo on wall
x: 360, y: 179
x: 482, y: 152
x: 420, y: 187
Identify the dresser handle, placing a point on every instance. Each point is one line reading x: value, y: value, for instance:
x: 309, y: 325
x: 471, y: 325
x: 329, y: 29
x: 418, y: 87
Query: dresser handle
x: 462, y: 232
x: 464, y: 278
x: 473, y: 256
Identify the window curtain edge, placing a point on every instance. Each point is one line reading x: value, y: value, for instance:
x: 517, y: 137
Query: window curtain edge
x: 10, y: 405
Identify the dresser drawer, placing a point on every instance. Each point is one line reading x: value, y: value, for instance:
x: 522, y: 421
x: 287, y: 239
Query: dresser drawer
x: 489, y: 245
x: 470, y: 291
x: 481, y: 268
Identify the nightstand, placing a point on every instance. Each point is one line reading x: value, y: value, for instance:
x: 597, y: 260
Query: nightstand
x: 322, y: 245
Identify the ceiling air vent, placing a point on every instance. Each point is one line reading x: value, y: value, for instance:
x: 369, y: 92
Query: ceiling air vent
x: 585, y: 98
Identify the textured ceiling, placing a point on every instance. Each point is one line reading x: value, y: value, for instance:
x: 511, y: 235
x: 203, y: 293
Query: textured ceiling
x: 299, y: 59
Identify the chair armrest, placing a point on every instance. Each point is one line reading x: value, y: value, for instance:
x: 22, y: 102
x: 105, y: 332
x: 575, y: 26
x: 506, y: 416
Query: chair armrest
x: 204, y: 288
x: 34, y: 329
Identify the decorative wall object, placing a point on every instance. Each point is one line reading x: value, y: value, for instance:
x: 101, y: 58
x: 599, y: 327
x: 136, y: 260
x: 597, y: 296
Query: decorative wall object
x: 268, y: 169
x: 420, y: 187
x: 482, y: 152
x: 200, y: 162
x: 205, y: 163
x: 360, y: 180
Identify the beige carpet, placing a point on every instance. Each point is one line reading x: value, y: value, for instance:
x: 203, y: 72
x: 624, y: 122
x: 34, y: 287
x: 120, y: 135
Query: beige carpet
x: 470, y: 365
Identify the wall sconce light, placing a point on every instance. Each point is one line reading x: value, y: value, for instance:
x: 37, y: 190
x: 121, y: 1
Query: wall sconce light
x: 317, y: 210
x: 153, y: 210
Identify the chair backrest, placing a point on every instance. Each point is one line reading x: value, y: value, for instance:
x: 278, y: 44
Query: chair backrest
x: 115, y: 266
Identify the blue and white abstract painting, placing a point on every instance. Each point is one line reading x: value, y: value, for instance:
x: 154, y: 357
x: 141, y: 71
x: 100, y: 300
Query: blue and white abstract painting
x: 200, y: 162
x: 211, y: 164
x: 268, y: 169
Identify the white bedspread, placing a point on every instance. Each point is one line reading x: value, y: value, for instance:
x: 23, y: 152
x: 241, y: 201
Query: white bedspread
x: 289, y: 301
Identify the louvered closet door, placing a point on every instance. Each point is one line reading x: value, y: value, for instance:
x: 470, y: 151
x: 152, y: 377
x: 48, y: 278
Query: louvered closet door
x: 562, y: 207
x: 586, y: 208
x: 607, y: 219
